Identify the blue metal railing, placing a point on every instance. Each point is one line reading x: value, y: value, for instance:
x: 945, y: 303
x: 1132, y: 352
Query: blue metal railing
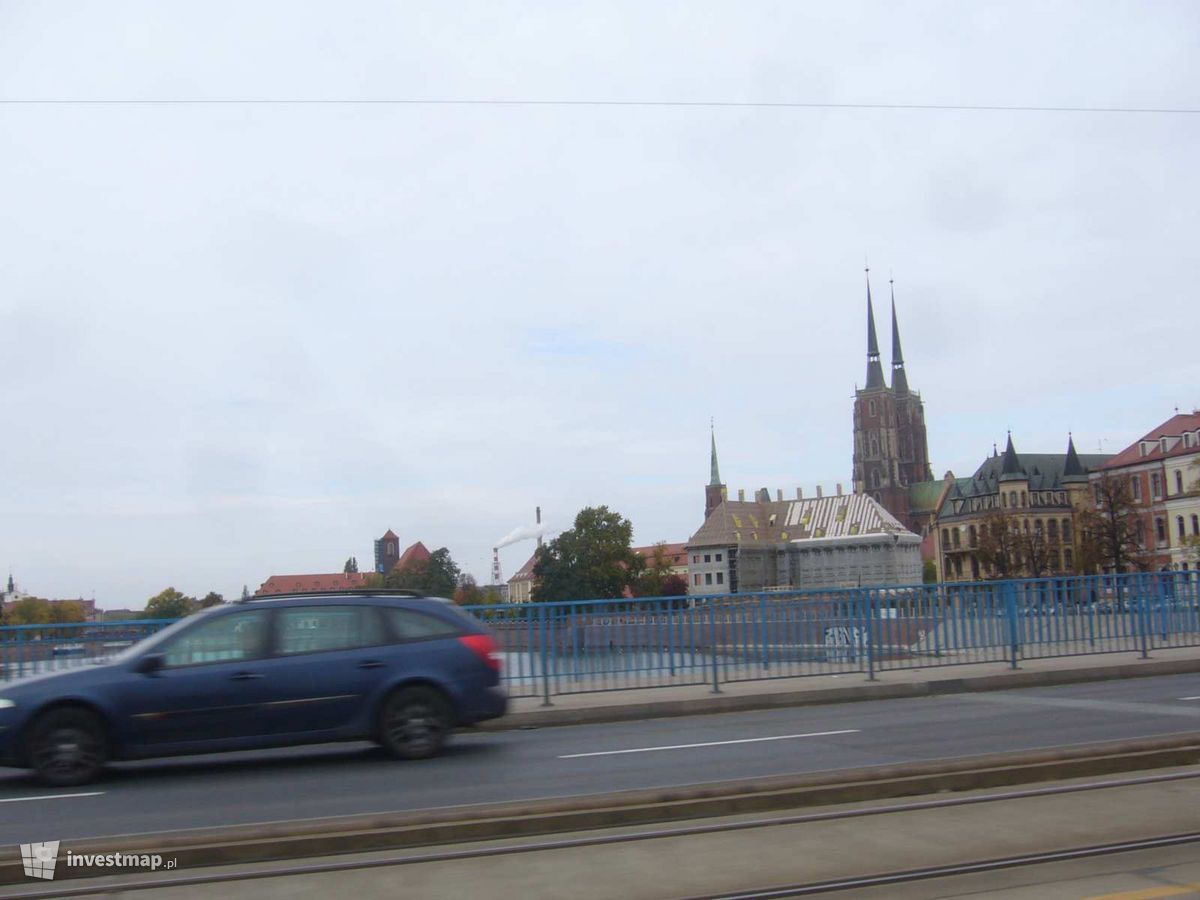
x: 551, y: 649
x: 34, y: 649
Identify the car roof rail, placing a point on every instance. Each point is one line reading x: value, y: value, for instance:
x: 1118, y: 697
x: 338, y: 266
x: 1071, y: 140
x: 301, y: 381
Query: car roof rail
x: 339, y: 592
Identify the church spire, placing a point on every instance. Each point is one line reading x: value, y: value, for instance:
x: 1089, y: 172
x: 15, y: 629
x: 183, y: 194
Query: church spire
x: 716, y: 473
x: 1073, y: 469
x: 899, y: 379
x: 1011, y: 467
x: 874, y: 367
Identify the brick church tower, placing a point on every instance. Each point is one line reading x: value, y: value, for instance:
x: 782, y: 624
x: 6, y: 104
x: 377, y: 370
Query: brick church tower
x: 890, y: 447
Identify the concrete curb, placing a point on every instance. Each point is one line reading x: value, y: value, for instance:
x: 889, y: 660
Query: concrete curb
x: 389, y: 831
x: 722, y: 703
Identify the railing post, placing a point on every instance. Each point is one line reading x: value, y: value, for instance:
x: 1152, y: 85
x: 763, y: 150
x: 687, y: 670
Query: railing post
x: 543, y: 654
x: 762, y: 629
x: 668, y: 611
x: 1010, y: 608
x: 1143, y: 602
x: 712, y: 634
x: 868, y: 630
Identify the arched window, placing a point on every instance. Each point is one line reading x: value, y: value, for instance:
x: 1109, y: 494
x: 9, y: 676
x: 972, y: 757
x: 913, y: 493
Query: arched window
x: 1178, y: 482
x: 1052, y: 529
x: 954, y: 533
x: 1182, y: 530
x: 1195, y: 525
x: 973, y: 541
x: 946, y: 537
x: 1066, y: 523
x: 1004, y: 500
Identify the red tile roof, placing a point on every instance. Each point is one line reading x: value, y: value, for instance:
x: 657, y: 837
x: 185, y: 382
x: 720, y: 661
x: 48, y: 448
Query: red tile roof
x: 1173, y: 427
x: 676, y: 554
x: 525, y: 573
x: 311, y: 584
x: 389, y: 535
x: 415, y: 553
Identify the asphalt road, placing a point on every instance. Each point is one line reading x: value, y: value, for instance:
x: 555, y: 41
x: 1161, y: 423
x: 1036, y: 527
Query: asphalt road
x: 349, y: 779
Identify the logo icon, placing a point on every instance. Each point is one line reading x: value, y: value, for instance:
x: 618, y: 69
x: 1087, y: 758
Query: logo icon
x: 39, y: 859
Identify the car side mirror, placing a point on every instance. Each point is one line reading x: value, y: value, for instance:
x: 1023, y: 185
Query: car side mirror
x: 150, y: 663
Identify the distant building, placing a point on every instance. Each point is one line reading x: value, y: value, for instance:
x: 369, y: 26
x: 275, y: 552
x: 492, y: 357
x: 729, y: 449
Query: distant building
x: 312, y: 584
x: 891, y: 451
x: 674, y: 554
x: 520, y: 586
x: 1041, y: 494
x: 389, y: 556
x: 776, y: 545
x: 1163, y: 468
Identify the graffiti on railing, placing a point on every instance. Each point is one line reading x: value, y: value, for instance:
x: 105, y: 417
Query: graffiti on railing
x: 844, y: 643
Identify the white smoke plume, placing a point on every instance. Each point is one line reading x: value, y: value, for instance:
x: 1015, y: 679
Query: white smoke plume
x: 524, y: 533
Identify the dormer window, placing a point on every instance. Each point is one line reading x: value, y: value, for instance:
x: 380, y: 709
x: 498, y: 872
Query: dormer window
x: 1144, y: 448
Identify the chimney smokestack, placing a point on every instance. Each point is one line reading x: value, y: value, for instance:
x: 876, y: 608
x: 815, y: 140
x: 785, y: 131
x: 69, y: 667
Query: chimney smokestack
x: 496, y: 565
x: 741, y: 495
x: 819, y: 494
x: 799, y: 493
x: 779, y: 494
x: 839, y: 489
x: 539, y: 521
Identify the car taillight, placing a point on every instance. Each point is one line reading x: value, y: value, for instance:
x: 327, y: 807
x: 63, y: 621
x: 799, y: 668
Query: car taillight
x: 484, y: 647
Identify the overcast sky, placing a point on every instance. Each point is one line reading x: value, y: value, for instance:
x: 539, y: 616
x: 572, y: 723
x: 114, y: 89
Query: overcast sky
x: 244, y: 339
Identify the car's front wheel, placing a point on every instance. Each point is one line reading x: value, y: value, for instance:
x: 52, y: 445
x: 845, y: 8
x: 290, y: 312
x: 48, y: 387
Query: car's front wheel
x: 67, y: 747
x: 414, y: 722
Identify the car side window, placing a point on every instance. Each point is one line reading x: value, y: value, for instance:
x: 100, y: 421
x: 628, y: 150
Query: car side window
x: 227, y: 638
x: 411, y: 625
x: 315, y: 629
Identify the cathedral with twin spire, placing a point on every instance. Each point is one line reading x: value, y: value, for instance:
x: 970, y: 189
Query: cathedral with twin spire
x: 891, y: 452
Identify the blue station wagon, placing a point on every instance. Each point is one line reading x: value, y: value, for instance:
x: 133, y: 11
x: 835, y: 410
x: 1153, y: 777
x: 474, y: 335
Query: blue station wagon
x: 394, y: 667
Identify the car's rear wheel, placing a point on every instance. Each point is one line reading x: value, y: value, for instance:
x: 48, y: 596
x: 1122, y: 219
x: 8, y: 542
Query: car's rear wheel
x: 415, y: 722
x: 67, y: 747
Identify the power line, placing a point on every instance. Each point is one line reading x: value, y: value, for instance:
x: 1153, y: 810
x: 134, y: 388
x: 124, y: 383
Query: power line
x: 650, y: 104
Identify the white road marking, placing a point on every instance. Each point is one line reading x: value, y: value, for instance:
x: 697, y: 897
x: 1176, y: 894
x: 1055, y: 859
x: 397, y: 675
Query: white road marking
x: 51, y: 797
x: 778, y: 737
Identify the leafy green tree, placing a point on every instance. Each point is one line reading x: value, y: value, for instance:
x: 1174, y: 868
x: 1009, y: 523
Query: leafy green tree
x: 650, y: 581
x: 28, y: 611
x: 437, y: 576
x: 929, y: 572
x: 212, y: 598
x: 245, y: 592
x: 169, y: 604
x: 66, y: 611
x: 351, y: 567
x: 468, y: 593
x: 592, y: 560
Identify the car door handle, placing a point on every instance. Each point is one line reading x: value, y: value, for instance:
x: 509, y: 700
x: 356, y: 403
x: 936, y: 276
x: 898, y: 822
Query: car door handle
x: 371, y: 664
x: 245, y: 676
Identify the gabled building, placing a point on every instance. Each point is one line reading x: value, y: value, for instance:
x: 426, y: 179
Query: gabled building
x: 1041, y: 495
x: 520, y: 586
x: 312, y: 584
x: 847, y: 540
x: 1163, y: 469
